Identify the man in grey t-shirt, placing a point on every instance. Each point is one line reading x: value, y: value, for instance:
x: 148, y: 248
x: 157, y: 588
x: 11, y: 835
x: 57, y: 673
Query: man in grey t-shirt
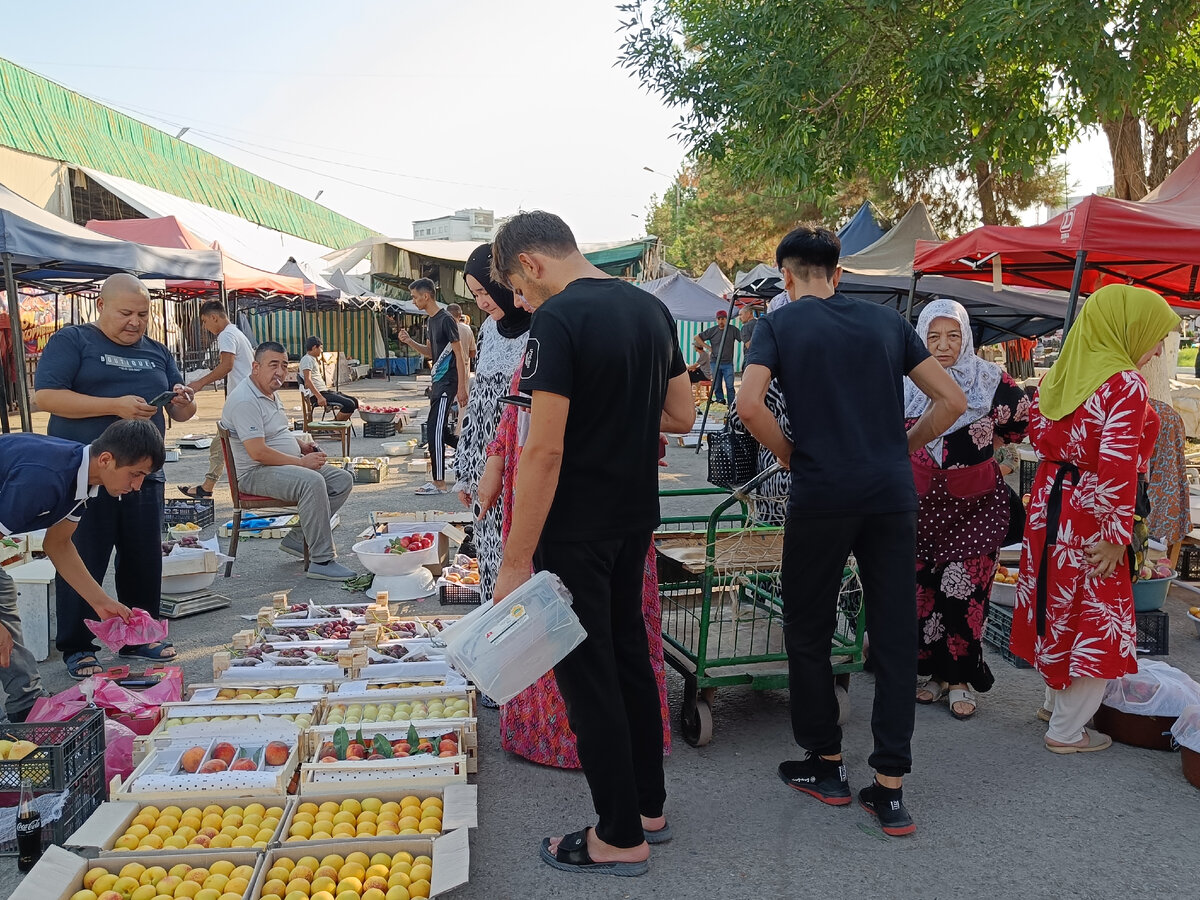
x: 746, y: 323
x: 721, y: 339
x: 272, y: 463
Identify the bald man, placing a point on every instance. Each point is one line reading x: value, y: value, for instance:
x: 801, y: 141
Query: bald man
x: 88, y: 377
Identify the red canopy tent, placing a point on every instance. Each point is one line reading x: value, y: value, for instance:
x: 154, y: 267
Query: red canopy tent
x: 1153, y: 243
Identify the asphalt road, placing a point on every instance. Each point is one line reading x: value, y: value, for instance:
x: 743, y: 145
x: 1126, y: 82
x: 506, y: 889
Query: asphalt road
x: 997, y: 815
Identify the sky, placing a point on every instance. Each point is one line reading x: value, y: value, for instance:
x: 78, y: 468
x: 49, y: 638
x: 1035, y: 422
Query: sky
x: 429, y: 106
x: 394, y: 110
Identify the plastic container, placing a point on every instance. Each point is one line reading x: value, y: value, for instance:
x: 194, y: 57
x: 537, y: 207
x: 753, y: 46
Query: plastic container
x: 370, y: 553
x: 996, y: 631
x: 1150, y: 593
x: 1195, y: 622
x: 65, y: 750
x: 507, y: 646
x: 179, y: 512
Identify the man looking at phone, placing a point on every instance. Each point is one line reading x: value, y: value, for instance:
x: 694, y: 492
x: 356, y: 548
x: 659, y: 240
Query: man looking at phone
x: 88, y: 377
x: 272, y: 463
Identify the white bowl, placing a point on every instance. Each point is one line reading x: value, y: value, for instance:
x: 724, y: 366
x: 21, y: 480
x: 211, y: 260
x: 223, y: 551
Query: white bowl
x: 370, y: 553
x: 186, y: 584
x: 1196, y: 622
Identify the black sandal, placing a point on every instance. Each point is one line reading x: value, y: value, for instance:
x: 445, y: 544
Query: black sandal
x: 572, y: 856
x: 83, y: 659
x: 195, y: 493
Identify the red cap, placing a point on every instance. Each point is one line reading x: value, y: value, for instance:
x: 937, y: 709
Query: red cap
x: 722, y: 314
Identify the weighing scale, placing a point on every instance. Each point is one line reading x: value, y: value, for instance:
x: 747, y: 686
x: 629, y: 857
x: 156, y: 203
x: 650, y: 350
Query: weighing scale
x: 399, y: 588
x: 176, y: 606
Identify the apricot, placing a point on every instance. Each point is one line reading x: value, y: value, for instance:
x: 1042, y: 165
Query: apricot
x: 189, y: 762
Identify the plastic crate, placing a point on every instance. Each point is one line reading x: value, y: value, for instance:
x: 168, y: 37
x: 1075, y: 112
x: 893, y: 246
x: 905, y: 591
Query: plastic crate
x: 379, y: 429
x: 64, y: 752
x: 1189, y: 562
x: 1153, y: 632
x: 84, y: 797
x: 996, y: 631
x: 459, y: 595
x: 178, y: 512
x: 1028, y: 471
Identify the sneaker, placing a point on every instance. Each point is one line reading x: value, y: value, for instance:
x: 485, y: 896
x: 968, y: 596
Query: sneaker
x: 824, y: 779
x: 293, y: 544
x: 887, y: 804
x: 330, y: 571
x: 429, y: 488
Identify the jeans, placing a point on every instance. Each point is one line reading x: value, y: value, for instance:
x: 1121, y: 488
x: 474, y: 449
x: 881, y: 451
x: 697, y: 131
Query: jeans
x: 21, y: 681
x: 723, y: 383
x: 814, y: 555
x: 132, y: 525
x: 317, y: 495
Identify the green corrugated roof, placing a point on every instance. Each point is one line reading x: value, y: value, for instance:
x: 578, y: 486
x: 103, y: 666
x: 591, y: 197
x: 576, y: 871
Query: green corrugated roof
x: 40, y: 117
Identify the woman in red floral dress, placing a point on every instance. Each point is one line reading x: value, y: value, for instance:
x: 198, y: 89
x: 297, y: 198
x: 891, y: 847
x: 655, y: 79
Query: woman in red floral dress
x: 1094, y: 431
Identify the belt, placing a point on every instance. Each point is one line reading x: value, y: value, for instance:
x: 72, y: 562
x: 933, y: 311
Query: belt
x: 1053, y: 514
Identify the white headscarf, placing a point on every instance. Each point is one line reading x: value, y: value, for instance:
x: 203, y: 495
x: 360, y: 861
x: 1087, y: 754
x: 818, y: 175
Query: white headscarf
x: 978, y: 378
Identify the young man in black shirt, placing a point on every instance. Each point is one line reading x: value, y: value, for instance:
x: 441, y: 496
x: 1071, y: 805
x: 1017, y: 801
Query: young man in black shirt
x: 586, y: 504
x: 448, y: 374
x: 841, y: 363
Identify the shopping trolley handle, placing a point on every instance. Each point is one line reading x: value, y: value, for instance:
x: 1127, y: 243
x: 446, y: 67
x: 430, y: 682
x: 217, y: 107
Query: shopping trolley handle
x: 743, y: 493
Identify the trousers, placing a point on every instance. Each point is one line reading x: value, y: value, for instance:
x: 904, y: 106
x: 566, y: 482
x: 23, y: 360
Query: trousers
x: 723, y: 382
x: 436, y: 432
x: 21, y: 682
x: 317, y: 495
x: 1071, y: 707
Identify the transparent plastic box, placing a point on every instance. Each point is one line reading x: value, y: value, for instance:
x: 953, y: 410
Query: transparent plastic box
x: 507, y: 646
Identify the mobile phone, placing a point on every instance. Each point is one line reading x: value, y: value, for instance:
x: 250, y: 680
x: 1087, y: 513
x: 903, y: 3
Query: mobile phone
x: 517, y: 400
x: 163, y: 399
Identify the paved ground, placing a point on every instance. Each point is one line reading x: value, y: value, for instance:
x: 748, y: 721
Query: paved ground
x: 997, y: 814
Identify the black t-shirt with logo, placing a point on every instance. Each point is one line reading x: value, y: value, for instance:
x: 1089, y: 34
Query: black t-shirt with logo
x: 841, y: 364
x: 610, y: 348
x: 443, y: 331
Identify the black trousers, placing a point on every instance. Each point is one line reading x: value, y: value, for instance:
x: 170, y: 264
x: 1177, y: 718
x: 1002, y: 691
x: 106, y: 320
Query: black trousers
x: 608, y: 684
x: 437, y: 432
x: 132, y: 526
x: 346, y: 402
x: 814, y: 554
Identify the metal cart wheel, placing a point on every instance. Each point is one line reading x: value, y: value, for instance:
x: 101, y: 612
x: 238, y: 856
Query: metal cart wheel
x: 841, y: 692
x: 695, y: 718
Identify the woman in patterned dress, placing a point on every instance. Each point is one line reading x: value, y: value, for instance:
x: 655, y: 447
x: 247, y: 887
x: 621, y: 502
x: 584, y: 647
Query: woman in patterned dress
x: 963, y: 510
x: 501, y: 347
x: 1094, y: 432
x: 1170, y: 500
x: 534, y: 723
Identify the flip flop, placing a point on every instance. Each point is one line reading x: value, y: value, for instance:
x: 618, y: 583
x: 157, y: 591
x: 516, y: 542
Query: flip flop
x: 572, y: 856
x: 1097, y: 740
x: 661, y: 836
x: 936, y: 688
x: 82, y: 660
x: 154, y: 652
x: 196, y: 493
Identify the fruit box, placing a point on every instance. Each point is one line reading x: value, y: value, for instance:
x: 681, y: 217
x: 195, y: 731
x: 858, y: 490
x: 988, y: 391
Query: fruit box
x: 430, y: 770
x: 99, y: 834
x: 466, y: 729
x: 250, y: 713
x: 432, y: 670
x: 343, y: 699
x: 212, y: 693
x: 271, y: 672
x: 159, y: 776
x: 58, y: 875
x: 459, y: 809
x: 190, y: 563
x: 449, y: 854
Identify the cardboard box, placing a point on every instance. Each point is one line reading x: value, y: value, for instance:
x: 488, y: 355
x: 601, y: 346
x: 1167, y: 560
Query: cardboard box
x: 208, y: 693
x: 254, y: 711
x: 449, y: 852
x: 467, y: 730
x: 459, y: 809
x: 421, y: 770
x: 59, y: 873
x: 356, y: 692
x: 99, y: 834
x: 189, y: 562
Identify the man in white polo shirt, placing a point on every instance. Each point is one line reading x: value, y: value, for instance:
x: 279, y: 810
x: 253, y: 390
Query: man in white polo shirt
x: 236, y: 357
x: 272, y: 463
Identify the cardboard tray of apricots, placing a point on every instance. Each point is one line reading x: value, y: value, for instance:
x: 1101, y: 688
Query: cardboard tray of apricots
x: 60, y: 874
x: 327, y: 813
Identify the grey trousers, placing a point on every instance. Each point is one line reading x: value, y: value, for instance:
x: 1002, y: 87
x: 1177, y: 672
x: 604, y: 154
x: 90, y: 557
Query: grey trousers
x: 318, y: 495
x: 21, y: 681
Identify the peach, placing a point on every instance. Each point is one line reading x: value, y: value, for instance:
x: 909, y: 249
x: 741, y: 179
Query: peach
x: 191, y: 759
x: 213, y: 765
x: 224, y: 751
x: 243, y: 765
x: 276, y: 753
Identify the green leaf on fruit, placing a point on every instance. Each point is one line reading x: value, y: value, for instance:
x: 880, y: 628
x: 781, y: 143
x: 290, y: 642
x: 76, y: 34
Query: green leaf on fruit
x: 341, y: 742
x: 413, y: 737
x: 382, y: 746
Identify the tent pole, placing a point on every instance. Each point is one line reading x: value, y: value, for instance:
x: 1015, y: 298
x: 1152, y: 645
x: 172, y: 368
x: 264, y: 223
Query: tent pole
x: 18, y: 342
x: 387, y: 347
x: 912, y: 293
x: 1073, y: 300
x: 715, y: 363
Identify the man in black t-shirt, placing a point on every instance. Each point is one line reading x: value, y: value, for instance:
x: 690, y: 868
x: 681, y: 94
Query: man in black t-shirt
x: 840, y: 364
x: 606, y: 375
x: 448, y: 375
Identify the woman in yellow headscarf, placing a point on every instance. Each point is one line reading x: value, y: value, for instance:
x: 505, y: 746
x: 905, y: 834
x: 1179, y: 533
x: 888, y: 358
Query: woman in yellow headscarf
x: 1094, y: 431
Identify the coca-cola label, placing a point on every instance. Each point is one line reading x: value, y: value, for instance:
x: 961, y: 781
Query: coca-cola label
x: 29, y: 826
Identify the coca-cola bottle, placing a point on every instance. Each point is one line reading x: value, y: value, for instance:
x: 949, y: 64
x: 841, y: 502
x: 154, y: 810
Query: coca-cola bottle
x: 29, y: 829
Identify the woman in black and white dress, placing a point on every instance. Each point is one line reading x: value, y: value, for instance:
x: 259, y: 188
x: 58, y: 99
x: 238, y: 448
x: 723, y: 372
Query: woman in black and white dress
x: 501, y: 347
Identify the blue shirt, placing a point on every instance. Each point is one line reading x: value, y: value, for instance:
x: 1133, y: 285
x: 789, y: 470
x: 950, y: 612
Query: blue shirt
x: 42, y: 481
x: 84, y: 360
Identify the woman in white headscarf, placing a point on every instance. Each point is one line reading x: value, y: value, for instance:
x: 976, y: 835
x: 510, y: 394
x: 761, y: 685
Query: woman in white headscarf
x: 963, y: 513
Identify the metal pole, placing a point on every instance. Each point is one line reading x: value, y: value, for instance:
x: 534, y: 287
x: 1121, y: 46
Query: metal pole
x: 912, y: 293
x: 18, y: 342
x: 716, y: 364
x: 1073, y: 299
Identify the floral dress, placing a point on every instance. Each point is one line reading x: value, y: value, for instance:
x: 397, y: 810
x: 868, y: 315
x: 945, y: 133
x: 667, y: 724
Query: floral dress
x: 498, y: 358
x: 1088, y: 627
x: 1170, y: 499
x: 959, y: 533
x: 534, y: 723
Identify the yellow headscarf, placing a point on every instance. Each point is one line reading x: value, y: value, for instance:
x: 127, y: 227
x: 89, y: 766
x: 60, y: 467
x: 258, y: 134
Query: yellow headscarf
x: 1116, y: 327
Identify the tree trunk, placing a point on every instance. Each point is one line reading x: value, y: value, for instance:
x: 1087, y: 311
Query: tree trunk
x: 1128, y: 156
x: 986, y: 189
x: 1160, y: 139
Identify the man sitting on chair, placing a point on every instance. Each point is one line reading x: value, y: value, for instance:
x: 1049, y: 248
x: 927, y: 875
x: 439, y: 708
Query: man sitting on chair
x: 312, y: 383
x: 272, y: 463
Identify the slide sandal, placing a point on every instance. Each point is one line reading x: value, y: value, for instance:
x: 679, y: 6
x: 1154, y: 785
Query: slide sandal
x: 572, y: 856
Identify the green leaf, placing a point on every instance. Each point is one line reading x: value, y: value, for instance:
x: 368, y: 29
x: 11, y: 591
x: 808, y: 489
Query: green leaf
x: 413, y: 737
x: 341, y: 741
x: 382, y: 746
x: 359, y: 737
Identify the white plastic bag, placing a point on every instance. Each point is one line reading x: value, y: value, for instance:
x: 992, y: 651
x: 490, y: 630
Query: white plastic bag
x: 1186, y: 729
x: 1156, y: 689
x: 507, y: 646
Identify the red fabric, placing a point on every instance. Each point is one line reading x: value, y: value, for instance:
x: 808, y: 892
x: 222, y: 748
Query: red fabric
x: 1089, y: 622
x: 1155, y: 240
x: 255, y: 497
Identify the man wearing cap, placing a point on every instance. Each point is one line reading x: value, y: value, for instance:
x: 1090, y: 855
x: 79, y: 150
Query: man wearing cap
x: 721, y: 339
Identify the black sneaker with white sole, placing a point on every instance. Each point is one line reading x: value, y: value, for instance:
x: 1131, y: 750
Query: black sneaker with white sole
x: 824, y: 779
x: 887, y: 805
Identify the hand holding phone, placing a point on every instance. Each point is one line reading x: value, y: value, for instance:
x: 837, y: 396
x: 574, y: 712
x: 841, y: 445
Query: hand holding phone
x: 163, y: 399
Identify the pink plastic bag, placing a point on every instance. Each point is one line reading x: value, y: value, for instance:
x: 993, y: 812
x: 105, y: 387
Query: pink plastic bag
x: 118, y: 750
x: 142, y: 629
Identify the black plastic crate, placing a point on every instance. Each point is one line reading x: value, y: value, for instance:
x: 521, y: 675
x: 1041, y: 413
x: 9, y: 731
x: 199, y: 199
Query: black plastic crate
x: 1189, y: 562
x: 1027, y: 472
x: 996, y: 631
x: 1153, y: 632
x: 459, y: 595
x: 182, y: 511
x: 379, y: 429
x: 64, y: 751
x: 84, y: 796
